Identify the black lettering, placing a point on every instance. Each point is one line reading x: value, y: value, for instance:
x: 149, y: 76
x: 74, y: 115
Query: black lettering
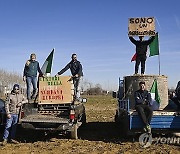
x: 142, y: 25
x: 131, y: 20
x: 149, y: 20
x: 137, y: 20
x: 143, y: 20
x: 145, y: 32
x: 142, y: 33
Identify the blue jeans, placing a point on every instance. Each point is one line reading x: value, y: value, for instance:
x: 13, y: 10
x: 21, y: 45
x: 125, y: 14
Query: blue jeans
x: 10, y: 127
x: 77, y: 87
x: 30, y: 80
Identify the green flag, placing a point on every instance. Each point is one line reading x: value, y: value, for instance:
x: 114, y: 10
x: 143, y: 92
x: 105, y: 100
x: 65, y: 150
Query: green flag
x: 154, y: 46
x: 46, y: 68
x: 155, y: 103
x: 154, y: 92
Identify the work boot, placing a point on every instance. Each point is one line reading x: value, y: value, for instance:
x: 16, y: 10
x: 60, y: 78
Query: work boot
x: 144, y: 129
x: 14, y: 141
x: 29, y: 100
x: 148, y: 127
x: 4, y: 142
x: 33, y: 96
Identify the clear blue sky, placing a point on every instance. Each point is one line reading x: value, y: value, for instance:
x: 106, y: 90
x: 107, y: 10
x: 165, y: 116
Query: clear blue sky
x: 94, y: 29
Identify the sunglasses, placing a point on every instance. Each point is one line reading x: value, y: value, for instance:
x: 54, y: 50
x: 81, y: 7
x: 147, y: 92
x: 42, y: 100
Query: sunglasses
x: 16, y: 88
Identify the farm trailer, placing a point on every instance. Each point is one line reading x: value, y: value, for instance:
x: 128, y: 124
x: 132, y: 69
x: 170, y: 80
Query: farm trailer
x: 129, y: 122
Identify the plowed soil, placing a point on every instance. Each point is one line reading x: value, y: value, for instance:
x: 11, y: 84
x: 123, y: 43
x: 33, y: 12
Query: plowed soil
x: 99, y: 135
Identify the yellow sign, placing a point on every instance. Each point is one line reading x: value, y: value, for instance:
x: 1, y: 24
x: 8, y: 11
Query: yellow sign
x: 55, y: 90
x: 141, y: 26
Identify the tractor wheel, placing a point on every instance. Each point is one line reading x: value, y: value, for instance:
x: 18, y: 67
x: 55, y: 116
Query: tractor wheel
x: 84, y: 119
x: 74, y: 132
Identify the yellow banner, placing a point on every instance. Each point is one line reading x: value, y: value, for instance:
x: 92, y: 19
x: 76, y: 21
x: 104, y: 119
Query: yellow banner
x: 55, y: 90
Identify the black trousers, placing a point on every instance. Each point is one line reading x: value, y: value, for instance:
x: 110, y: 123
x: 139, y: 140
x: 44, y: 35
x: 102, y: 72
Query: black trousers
x: 140, y: 59
x: 176, y: 100
x: 145, y: 113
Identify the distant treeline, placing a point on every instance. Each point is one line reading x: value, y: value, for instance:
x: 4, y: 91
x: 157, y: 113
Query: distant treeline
x: 8, y: 79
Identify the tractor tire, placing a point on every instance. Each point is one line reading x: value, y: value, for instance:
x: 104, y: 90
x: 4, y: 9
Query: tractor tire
x: 83, y: 119
x: 74, y: 132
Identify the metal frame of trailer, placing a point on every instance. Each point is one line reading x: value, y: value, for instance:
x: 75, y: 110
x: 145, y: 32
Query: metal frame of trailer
x: 129, y: 121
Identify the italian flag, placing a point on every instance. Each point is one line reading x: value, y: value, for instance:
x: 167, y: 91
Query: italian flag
x: 154, y: 46
x: 155, y: 103
x: 47, y: 66
x: 134, y: 57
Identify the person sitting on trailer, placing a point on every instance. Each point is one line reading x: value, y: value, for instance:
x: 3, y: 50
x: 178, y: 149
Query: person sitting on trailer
x: 142, y: 105
x: 175, y: 96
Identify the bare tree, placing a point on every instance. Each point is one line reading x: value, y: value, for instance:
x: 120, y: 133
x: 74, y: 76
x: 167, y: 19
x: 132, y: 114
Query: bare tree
x: 8, y: 79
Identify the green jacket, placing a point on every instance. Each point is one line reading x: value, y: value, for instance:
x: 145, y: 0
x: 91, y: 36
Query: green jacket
x: 32, y: 69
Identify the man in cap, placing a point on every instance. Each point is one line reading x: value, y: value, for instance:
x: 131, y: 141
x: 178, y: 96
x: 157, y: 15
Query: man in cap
x: 12, y: 106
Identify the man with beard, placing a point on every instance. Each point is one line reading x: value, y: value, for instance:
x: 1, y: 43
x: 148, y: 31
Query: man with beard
x: 76, y: 70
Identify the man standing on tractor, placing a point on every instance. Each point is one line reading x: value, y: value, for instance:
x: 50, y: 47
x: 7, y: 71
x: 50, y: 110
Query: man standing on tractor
x: 142, y: 105
x: 76, y: 70
x: 30, y: 75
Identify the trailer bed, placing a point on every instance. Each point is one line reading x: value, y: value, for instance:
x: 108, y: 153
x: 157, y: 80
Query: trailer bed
x: 160, y: 120
x: 44, y: 119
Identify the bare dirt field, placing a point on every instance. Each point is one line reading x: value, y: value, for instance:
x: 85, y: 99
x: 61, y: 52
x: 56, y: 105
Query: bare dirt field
x: 100, y: 135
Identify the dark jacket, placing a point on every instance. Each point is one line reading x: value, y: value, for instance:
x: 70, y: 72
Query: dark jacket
x: 177, y: 90
x: 75, y: 67
x: 32, y: 69
x: 141, y: 46
x: 142, y: 97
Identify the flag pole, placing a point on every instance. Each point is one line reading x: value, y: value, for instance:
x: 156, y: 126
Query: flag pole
x: 159, y: 64
x: 159, y: 56
x: 159, y: 47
